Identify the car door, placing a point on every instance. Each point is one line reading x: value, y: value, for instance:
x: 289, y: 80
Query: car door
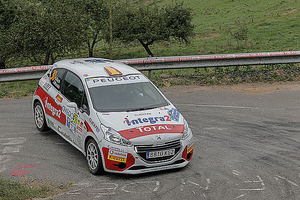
x: 53, y: 100
x: 76, y: 108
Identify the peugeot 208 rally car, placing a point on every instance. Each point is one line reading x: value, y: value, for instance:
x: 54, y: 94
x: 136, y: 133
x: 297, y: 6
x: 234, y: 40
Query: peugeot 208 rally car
x: 114, y: 115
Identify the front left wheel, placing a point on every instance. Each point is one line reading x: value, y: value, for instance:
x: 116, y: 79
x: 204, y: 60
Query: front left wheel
x: 93, y: 157
x: 39, y: 117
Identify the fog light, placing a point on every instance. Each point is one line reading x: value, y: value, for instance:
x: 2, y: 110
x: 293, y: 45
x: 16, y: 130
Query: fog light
x: 122, y: 165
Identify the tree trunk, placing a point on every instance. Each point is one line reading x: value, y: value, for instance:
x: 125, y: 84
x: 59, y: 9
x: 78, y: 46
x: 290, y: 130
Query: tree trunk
x: 47, y: 58
x: 2, y: 64
x: 146, y: 47
x: 91, y: 52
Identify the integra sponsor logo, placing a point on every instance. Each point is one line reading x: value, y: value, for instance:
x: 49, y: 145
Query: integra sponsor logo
x: 53, y: 110
x: 117, y: 79
x: 173, y: 115
x: 151, y: 120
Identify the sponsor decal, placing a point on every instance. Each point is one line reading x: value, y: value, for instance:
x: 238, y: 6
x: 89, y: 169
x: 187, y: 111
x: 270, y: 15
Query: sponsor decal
x: 116, y: 79
x: 151, y: 129
x: 85, y: 75
x: 115, y: 155
x: 53, y: 111
x: 71, y: 125
x: 94, y: 61
x: 190, y: 148
x: 46, y: 86
x: 94, y: 125
x: 51, y: 107
x: 77, y: 62
x: 112, y: 71
x: 67, y: 112
x: 174, y: 114
x: 75, y: 118
x: 104, y: 81
x: 151, y: 120
x: 142, y: 114
x: 88, y: 128
x: 154, y: 128
x: 59, y: 98
x: 53, y: 75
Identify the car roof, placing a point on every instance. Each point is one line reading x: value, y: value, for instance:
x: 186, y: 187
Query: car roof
x: 94, y: 67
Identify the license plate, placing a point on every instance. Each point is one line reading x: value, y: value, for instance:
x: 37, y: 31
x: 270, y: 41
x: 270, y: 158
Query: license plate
x: 158, y: 154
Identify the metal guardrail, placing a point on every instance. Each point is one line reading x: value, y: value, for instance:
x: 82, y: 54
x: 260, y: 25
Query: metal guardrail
x: 173, y: 62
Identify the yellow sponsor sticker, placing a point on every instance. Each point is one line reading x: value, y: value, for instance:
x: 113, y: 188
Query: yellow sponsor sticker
x: 190, y: 148
x: 116, y: 158
x: 75, y: 118
x: 53, y: 75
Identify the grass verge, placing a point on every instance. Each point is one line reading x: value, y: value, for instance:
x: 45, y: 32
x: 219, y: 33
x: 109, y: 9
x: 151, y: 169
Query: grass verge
x: 227, y: 75
x: 27, y: 189
x: 17, y: 89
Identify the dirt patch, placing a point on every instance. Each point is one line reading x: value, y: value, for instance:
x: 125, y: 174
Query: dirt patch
x: 289, y: 11
x: 250, y: 88
x: 209, y: 36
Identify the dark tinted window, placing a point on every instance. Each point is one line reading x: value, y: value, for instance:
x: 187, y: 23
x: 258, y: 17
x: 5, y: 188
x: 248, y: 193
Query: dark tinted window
x: 126, y: 97
x: 73, y: 90
x: 56, y: 77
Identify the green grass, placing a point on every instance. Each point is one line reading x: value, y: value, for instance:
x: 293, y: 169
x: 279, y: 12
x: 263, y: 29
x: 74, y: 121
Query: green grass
x: 17, y: 89
x: 271, y: 25
x: 14, y: 190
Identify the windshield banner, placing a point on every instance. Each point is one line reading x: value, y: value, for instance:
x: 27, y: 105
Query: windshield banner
x: 111, y: 80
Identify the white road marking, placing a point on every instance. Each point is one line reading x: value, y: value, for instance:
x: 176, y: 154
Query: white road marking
x: 147, y: 184
x: 11, y: 149
x: 262, y: 184
x: 105, y: 189
x: 214, y: 128
x: 208, y: 182
x: 291, y: 182
x: 240, y: 196
x: 13, y: 141
x: 217, y: 106
x: 3, y: 160
x: 193, y: 183
x: 235, y: 172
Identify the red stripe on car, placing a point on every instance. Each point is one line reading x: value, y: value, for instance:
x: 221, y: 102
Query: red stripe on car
x: 151, y: 129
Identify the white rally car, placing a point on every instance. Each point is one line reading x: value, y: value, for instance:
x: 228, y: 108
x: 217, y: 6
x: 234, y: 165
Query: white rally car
x: 114, y: 115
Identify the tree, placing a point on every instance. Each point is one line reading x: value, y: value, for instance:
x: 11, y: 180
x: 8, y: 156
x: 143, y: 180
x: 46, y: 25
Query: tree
x: 150, y: 24
x: 8, y: 47
x: 96, y: 16
x: 48, y: 29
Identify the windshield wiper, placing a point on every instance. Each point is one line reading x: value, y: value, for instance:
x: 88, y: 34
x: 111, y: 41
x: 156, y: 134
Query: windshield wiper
x: 138, y: 109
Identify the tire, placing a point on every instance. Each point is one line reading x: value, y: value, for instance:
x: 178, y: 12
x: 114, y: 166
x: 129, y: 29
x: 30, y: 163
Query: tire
x: 39, y: 117
x: 93, y: 157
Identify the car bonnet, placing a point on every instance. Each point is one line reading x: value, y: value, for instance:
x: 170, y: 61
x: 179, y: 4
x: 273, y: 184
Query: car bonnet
x: 138, y: 125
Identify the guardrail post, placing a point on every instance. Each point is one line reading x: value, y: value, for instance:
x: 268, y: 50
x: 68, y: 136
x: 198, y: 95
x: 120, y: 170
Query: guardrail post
x: 149, y: 74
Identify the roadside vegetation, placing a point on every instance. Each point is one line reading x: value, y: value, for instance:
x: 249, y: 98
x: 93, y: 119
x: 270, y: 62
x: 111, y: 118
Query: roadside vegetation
x: 33, y: 32
x: 18, y: 190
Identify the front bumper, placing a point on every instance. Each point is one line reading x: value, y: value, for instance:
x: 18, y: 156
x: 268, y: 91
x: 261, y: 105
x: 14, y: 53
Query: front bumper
x: 126, y: 160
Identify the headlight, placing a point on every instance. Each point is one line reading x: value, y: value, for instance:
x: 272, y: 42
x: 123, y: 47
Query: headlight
x: 186, y: 129
x: 114, y: 137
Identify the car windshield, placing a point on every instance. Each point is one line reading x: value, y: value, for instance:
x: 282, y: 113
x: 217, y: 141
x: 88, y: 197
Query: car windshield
x: 126, y: 97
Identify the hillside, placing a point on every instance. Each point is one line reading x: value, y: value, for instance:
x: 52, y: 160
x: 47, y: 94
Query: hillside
x: 228, y: 26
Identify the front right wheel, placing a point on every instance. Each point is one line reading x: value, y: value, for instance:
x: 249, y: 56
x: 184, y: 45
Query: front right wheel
x: 93, y: 157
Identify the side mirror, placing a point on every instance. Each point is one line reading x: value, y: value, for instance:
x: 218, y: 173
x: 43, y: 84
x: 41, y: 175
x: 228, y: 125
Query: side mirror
x: 85, y: 109
x: 72, y: 105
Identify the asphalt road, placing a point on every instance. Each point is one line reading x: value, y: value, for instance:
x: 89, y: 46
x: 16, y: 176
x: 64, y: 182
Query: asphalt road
x: 247, y: 147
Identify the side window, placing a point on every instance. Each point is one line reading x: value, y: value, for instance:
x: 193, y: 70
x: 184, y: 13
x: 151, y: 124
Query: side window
x: 56, y: 77
x: 72, y: 89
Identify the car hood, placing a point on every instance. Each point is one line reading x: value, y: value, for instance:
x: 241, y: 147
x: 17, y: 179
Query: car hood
x: 157, y: 125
